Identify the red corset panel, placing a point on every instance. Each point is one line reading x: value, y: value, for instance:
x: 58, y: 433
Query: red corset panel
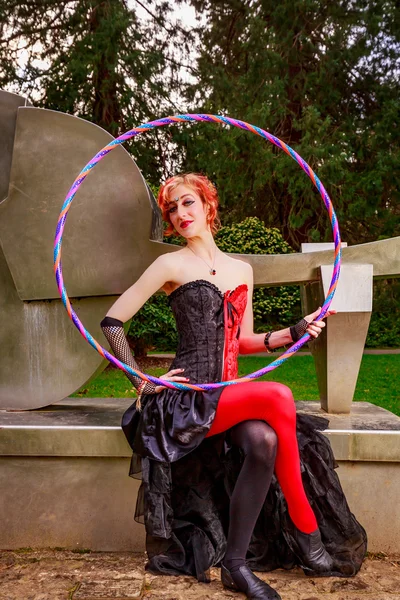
x: 234, y: 307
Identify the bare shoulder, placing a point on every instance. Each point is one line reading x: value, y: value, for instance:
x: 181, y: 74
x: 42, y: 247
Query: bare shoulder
x: 171, y: 264
x: 245, y: 268
x: 172, y: 261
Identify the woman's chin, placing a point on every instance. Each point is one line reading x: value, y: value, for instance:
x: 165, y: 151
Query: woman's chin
x: 191, y: 231
x: 184, y: 234
x: 188, y: 232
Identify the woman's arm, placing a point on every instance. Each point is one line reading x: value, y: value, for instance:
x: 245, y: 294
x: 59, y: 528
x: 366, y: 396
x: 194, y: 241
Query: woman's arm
x: 251, y: 343
x: 153, y: 279
x: 127, y: 305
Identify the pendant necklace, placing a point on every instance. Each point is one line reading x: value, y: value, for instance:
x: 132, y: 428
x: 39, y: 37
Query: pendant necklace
x: 211, y: 269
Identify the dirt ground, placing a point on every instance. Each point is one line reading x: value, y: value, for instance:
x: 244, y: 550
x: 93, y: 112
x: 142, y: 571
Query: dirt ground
x: 57, y: 574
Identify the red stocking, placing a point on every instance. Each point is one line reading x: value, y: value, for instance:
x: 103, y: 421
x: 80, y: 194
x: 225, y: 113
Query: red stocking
x: 273, y: 403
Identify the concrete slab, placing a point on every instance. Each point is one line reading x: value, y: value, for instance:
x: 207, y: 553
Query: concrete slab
x: 91, y: 427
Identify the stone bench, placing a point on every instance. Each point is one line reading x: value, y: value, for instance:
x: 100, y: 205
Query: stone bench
x: 64, y: 475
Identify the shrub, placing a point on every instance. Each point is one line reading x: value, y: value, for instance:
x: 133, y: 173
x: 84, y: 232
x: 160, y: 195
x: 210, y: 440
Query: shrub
x: 273, y: 306
x: 153, y: 326
x: 384, y: 329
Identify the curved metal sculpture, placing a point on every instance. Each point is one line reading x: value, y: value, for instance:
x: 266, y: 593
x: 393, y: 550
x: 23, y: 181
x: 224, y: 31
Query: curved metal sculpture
x: 43, y: 358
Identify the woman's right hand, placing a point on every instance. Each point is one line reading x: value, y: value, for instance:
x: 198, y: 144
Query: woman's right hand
x: 171, y: 376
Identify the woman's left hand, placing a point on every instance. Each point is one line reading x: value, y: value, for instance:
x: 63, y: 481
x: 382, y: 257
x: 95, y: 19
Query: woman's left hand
x: 172, y: 376
x: 315, y: 326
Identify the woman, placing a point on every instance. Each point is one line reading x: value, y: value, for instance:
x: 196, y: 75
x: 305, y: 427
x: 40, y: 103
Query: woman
x: 175, y: 433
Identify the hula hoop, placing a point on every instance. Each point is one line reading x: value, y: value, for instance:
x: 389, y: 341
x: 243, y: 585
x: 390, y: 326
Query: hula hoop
x: 173, y: 121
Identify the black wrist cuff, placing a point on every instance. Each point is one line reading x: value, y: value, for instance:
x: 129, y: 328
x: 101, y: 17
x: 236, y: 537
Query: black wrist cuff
x: 266, y: 341
x: 297, y: 331
x: 110, y: 322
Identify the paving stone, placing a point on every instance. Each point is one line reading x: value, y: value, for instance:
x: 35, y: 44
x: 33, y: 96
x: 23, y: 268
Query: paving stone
x: 186, y: 588
x: 349, y: 585
x: 104, y: 589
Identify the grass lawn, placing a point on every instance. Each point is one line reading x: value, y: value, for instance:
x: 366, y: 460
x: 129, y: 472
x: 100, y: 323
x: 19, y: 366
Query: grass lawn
x: 377, y: 381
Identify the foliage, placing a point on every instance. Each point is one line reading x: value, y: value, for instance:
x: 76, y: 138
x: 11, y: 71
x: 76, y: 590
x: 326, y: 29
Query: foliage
x: 251, y: 236
x: 384, y: 329
x: 153, y: 325
x: 98, y: 60
x: 322, y: 76
x: 274, y: 306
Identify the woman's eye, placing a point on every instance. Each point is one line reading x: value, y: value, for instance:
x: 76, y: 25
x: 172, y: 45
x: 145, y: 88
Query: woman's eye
x: 185, y: 203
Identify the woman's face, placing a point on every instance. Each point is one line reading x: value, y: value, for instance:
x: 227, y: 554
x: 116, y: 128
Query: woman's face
x: 187, y: 212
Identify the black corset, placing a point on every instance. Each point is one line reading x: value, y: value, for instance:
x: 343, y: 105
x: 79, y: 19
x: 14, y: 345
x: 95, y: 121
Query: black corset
x: 198, y: 308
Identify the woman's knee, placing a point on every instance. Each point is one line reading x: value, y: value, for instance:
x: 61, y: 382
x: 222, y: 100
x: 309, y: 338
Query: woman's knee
x: 274, y: 400
x: 285, y: 403
x: 264, y: 443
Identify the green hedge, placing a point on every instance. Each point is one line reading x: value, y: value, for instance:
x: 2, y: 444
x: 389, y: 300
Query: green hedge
x: 384, y: 329
x: 274, y: 306
x: 153, y: 327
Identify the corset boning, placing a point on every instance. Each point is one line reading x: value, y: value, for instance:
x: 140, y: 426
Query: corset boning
x: 198, y: 307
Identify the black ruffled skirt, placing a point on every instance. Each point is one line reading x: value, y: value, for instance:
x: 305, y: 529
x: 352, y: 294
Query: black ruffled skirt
x: 184, y: 500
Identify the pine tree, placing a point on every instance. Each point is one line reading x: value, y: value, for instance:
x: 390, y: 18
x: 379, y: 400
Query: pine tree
x: 324, y: 77
x: 98, y: 60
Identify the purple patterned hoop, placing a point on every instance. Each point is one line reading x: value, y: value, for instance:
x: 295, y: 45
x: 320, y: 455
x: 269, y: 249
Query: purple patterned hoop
x: 172, y: 121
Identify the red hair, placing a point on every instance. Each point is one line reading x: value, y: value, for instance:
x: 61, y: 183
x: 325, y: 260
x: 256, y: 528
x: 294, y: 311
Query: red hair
x: 202, y: 186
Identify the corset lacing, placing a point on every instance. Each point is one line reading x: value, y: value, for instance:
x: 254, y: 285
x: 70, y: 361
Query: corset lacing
x: 234, y: 307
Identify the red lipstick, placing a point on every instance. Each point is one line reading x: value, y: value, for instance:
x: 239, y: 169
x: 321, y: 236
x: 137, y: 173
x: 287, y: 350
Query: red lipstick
x: 185, y: 224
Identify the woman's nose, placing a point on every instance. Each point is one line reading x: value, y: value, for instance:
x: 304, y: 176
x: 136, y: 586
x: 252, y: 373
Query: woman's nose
x: 181, y: 211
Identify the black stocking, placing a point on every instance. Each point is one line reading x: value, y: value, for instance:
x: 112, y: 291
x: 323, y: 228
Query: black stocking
x: 259, y: 443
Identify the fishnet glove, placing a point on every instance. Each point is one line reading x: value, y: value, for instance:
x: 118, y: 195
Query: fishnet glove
x: 298, y: 330
x: 114, y: 333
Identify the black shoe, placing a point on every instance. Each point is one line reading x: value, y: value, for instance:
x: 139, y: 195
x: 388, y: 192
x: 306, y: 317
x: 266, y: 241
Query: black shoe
x: 243, y: 580
x: 310, y: 551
